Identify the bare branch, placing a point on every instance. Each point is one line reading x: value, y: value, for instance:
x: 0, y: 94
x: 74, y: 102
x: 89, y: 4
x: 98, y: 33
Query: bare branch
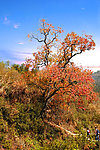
x: 52, y: 39
x: 71, y: 58
x: 36, y: 38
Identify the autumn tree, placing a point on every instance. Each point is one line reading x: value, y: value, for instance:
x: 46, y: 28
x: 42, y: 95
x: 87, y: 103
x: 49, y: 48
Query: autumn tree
x: 58, y: 81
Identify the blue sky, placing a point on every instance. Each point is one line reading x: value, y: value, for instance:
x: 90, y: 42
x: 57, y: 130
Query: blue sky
x: 20, y: 17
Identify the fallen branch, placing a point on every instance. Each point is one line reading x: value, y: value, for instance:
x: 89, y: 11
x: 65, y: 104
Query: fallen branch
x: 61, y: 128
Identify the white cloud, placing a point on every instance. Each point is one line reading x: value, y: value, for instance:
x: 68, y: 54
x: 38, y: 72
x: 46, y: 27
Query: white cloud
x: 20, y: 43
x: 89, y: 59
x: 16, y: 26
x: 6, y: 20
x: 83, y: 8
x: 24, y: 55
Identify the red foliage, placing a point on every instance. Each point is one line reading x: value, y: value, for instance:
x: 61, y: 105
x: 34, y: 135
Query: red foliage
x: 59, y: 82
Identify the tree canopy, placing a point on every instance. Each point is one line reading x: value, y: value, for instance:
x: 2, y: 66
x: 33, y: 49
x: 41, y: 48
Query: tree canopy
x: 59, y: 81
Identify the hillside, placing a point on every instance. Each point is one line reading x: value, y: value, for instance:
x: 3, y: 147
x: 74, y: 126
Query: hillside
x: 21, y: 126
x: 96, y: 76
